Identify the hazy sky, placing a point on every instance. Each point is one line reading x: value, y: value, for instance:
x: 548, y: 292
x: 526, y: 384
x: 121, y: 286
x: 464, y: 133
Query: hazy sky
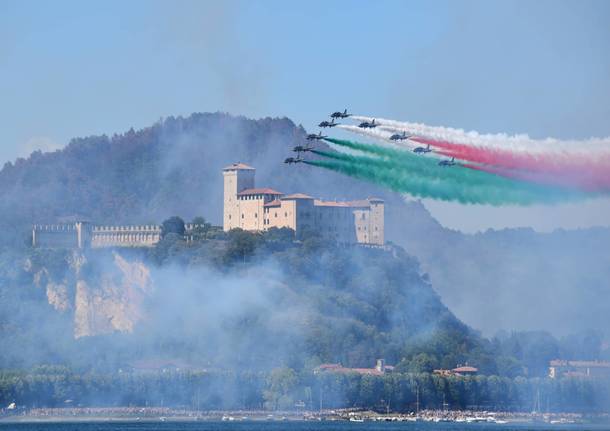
x: 79, y: 68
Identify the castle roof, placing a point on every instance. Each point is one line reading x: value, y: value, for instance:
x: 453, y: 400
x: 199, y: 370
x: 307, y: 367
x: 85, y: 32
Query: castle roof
x: 238, y: 166
x: 264, y: 191
x: 296, y: 196
x: 344, y: 204
x: 320, y: 203
x: 273, y: 203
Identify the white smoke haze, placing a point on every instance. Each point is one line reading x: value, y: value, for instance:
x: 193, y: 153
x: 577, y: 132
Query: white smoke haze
x: 591, y: 147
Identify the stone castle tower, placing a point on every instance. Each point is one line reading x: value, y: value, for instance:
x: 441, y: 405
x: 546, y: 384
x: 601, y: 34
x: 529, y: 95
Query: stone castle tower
x: 237, y: 178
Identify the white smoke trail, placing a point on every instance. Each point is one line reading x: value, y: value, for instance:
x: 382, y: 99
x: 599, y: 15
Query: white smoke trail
x: 591, y: 147
x: 382, y: 135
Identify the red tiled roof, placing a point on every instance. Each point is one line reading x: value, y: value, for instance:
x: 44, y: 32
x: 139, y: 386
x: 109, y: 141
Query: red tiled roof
x: 320, y: 203
x: 273, y: 203
x: 265, y: 191
x: 238, y: 166
x: 296, y: 196
x: 330, y: 366
x: 365, y: 203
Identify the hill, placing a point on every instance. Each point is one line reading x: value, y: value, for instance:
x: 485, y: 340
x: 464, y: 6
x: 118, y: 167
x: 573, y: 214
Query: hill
x: 513, y: 278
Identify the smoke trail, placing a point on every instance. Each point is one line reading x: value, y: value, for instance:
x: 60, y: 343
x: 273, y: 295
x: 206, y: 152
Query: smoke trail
x: 589, y: 171
x: 421, y: 177
x: 501, y: 141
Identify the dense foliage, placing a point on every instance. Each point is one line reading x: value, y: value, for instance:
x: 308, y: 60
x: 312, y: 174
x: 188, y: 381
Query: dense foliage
x: 285, y: 389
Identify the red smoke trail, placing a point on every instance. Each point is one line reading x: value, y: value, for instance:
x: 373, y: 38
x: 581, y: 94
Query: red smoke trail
x: 559, y: 169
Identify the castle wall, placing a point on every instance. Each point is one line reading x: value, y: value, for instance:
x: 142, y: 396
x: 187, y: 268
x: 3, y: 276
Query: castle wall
x: 125, y: 236
x: 251, y: 212
x: 55, y: 236
x: 283, y: 215
x: 81, y: 235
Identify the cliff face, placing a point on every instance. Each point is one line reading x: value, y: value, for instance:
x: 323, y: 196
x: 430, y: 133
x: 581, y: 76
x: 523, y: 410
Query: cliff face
x: 104, y: 295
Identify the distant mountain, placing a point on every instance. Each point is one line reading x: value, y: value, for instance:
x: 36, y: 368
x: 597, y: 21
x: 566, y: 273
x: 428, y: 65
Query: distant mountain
x: 513, y: 278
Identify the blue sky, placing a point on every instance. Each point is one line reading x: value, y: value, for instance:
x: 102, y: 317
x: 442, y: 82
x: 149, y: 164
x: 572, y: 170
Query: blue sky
x: 73, y: 68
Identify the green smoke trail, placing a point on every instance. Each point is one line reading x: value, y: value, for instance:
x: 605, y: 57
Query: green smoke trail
x: 402, y: 171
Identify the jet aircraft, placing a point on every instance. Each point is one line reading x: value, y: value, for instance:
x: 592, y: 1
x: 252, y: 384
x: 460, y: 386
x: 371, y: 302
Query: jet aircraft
x: 422, y: 150
x: 328, y: 123
x: 447, y: 163
x: 367, y: 125
x: 291, y: 160
x: 302, y: 149
x: 314, y: 137
x: 399, y: 137
x: 339, y: 114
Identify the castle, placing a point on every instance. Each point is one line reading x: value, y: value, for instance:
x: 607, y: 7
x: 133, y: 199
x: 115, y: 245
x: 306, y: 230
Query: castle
x: 259, y: 209
x: 245, y: 207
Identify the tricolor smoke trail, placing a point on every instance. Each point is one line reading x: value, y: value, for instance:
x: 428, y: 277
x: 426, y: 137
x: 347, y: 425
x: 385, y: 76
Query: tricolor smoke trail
x: 581, y: 165
x: 403, y: 171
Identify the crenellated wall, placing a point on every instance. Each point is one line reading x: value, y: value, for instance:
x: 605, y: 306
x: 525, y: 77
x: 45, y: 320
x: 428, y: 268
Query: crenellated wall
x: 125, y: 236
x: 85, y: 235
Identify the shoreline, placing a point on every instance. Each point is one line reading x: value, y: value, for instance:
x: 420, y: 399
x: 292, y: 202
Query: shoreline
x: 164, y: 414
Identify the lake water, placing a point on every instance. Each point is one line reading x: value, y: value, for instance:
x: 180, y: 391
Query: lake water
x: 283, y: 426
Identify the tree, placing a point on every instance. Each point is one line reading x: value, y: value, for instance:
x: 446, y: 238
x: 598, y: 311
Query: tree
x: 281, y: 386
x: 173, y: 225
x: 201, y: 228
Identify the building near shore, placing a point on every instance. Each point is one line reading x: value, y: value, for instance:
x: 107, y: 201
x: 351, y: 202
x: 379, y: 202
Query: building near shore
x: 380, y: 369
x: 462, y: 370
x: 259, y: 209
x: 562, y: 368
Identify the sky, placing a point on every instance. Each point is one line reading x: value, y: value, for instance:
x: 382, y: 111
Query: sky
x: 73, y: 68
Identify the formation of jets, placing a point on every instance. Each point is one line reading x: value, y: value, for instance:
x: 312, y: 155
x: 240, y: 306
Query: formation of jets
x: 400, y: 137
x: 367, y: 125
x: 363, y: 125
x: 422, y: 150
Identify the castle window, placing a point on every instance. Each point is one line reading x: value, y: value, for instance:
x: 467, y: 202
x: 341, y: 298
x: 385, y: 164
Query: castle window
x: 276, y: 214
x: 285, y: 214
x: 229, y: 216
x: 255, y: 215
x: 242, y: 215
x: 363, y: 216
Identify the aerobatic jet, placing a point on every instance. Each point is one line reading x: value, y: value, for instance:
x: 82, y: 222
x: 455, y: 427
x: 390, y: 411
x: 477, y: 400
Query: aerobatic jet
x: 339, y: 114
x: 328, y: 123
x: 302, y: 149
x: 422, y: 150
x: 447, y: 163
x: 399, y: 137
x: 367, y: 125
x: 314, y: 137
x: 291, y: 160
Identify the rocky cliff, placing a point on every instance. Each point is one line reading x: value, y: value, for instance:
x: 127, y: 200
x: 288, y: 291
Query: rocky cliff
x: 103, y: 295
